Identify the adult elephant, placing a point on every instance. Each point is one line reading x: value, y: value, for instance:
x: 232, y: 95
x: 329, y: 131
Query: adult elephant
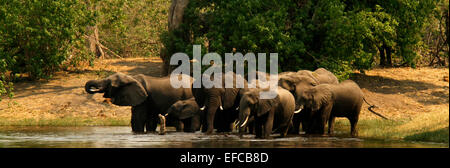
x: 269, y: 114
x: 220, y: 103
x: 329, y: 101
x: 148, y: 96
x: 297, y: 83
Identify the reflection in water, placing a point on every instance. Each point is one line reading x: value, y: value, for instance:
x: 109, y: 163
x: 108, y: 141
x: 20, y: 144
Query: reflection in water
x: 121, y: 137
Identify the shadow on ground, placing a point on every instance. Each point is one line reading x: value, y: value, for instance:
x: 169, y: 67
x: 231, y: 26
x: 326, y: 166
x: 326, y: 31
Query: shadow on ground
x: 439, y: 135
x: 385, y: 85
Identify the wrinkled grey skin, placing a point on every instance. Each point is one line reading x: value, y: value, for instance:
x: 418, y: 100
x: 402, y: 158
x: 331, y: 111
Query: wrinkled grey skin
x: 148, y: 96
x: 212, y: 98
x: 328, y: 101
x: 269, y: 114
x: 297, y: 83
x: 185, y: 115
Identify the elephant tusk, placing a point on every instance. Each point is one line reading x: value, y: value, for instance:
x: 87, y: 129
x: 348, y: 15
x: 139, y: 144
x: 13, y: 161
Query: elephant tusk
x: 94, y: 90
x: 236, y: 123
x: 203, y: 108
x: 221, y: 108
x: 298, y: 111
x: 245, y: 122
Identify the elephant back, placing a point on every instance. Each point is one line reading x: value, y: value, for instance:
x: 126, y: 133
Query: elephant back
x: 325, y: 77
x: 161, y: 93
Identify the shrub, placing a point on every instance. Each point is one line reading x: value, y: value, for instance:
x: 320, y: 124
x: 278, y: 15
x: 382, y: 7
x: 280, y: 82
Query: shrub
x: 36, y: 37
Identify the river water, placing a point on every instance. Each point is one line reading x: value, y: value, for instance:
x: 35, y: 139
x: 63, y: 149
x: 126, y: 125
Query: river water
x: 122, y: 137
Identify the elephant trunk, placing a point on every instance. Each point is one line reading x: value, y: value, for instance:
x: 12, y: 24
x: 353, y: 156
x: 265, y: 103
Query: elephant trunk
x: 94, y: 86
x: 162, y: 124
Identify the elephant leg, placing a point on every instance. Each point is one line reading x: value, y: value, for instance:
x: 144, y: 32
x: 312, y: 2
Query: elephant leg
x: 203, y: 123
x: 195, y: 124
x: 296, y: 120
x: 151, y: 123
x: 210, y: 119
x: 138, y: 118
x: 353, y: 129
x: 230, y: 116
x: 305, y: 120
x: 325, y: 116
x: 229, y: 128
x: 251, y: 125
x: 219, y: 122
x: 331, y: 125
x: 284, y: 131
x: 321, y: 125
x: 285, y: 128
x: 223, y: 121
x: 305, y: 125
x: 179, y: 125
x: 268, y: 125
x: 316, y: 124
x: 258, y: 127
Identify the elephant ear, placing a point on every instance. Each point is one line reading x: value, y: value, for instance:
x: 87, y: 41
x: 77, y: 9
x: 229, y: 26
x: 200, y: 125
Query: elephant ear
x: 126, y: 91
x: 321, y: 96
x: 229, y: 97
x: 287, y: 83
x: 265, y: 105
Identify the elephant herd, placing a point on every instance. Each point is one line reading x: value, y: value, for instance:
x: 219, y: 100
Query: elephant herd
x: 306, y: 99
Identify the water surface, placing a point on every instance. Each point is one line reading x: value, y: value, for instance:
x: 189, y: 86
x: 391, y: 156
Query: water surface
x: 122, y: 137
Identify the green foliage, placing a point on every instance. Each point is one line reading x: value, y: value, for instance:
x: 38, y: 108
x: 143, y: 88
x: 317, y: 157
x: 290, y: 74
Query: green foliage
x: 36, y: 37
x: 132, y: 28
x: 434, y: 35
x: 411, y: 16
x: 340, y: 35
x: 40, y: 37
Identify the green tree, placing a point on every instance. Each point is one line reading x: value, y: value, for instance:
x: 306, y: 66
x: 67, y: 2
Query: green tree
x: 340, y: 35
x: 36, y: 37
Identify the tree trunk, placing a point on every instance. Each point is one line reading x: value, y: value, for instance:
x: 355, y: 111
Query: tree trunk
x: 382, y: 56
x: 93, y: 38
x: 176, y: 12
x: 447, y: 31
x: 94, y: 46
x: 388, y: 55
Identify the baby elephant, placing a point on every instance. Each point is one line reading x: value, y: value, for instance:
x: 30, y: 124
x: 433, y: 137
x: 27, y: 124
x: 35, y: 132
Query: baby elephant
x: 269, y: 114
x: 328, y: 101
x: 185, y: 115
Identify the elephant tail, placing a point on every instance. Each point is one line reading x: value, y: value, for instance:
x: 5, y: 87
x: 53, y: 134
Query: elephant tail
x: 373, y: 106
